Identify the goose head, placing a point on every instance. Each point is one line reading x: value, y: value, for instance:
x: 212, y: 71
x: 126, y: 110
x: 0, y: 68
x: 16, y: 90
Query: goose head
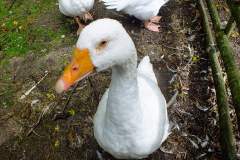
x: 102, y: 44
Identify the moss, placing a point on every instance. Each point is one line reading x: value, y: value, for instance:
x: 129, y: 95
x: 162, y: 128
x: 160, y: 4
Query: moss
x: 21, y: 33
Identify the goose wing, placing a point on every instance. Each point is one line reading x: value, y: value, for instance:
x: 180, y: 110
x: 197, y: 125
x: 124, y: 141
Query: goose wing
x: 145, y: 68
x: 122, y: 4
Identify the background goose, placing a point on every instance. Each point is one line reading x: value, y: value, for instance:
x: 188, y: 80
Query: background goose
x: 131, y: 120
x: 77, y: 9
x: 145, y: 10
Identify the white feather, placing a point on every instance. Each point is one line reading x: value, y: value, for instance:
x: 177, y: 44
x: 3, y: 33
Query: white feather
x: 145, y: 68
x: 141, y: 9
x: 131, y: 120
x: 74, y: 8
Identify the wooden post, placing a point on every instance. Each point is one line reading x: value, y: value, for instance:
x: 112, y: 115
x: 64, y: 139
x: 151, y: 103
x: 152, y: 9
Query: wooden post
x: 227, y: 55
x: 226, y: 133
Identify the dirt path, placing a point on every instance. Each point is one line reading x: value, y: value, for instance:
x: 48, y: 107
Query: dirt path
x: 180, y: 64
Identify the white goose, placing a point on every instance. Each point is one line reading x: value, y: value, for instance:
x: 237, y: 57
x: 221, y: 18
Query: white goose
x: 131, y: 119
x: 77, y: 9
x: 144, y: 10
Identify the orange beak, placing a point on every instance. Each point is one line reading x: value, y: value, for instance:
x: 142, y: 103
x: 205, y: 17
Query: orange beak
x: 80, y: 67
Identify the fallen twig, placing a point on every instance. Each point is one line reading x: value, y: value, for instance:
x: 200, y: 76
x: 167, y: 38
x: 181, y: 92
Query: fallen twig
x: 39, y: 120
x: 170, y: 69
x: 173, y: 78
x: 34, y: 132
x: 70, y: 96
x: 61, y: 114
x: 180, y: 49
x: 6, y: 117
x: 31, y: 89
x: 190, y: 61
x: 172, y: 100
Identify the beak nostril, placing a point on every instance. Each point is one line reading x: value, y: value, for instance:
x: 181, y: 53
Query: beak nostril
x: 75, y: 68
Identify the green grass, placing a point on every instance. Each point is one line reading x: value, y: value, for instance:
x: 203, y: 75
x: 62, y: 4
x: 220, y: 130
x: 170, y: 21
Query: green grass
x: 19, y: 32
x: 6, y: 91
x: 30, y: 26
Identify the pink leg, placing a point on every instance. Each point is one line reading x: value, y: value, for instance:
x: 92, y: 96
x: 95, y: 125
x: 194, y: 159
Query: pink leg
x: 80, y: 25
x: 155, y: 19
x: 87, y: 16
x: 151, y: 26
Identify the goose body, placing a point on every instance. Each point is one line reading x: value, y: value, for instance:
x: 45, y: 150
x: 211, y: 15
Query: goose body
x: 131, y: 121
x: 73, y: 8
x: 77, y: 9
x: 144, y: 10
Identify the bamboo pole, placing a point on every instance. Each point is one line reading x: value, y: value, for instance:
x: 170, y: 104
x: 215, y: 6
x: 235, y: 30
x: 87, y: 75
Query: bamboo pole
x: 214, y: 15
x: 227, y: 55
x: 226, y: 133
x: 235, y: 11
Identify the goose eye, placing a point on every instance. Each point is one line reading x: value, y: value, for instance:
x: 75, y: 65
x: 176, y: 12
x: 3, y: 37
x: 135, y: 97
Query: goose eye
x: 103, y: 43
x: 101, y: 46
